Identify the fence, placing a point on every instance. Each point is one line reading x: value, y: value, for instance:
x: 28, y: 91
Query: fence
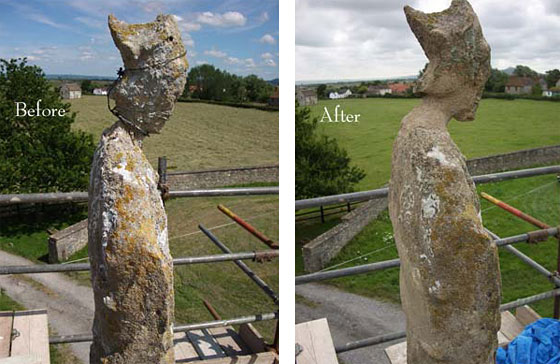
x: 505, y: 243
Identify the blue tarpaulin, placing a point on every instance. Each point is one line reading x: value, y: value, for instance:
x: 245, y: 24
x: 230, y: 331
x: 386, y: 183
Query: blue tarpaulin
x: 539, y: 343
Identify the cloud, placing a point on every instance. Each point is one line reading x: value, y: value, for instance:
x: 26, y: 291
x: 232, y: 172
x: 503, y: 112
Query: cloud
x: 40, y: 18
x: 270, y: 62
x: 250, y: 63
x: 229, y: 19
x: 201, y: 62
x: 267, y: 55
x: 267, y: 38
x: 375, y: 40
x: 215, y: 53
x: 263, y: 18
x: 91, y: 22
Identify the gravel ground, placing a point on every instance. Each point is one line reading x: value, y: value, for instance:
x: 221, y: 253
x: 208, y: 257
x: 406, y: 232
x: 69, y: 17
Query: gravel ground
x: 70, y: 306
x: 351, y: 317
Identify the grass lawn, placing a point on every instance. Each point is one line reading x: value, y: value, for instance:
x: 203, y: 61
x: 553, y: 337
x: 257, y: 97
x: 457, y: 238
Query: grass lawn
x: 537, y: 196
x: 197, y: 136
x: 500, y: 126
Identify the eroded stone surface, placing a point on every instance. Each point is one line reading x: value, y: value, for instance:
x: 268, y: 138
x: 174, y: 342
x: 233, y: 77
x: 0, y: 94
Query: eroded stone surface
x: 131, y: 268
x: 449, y: 275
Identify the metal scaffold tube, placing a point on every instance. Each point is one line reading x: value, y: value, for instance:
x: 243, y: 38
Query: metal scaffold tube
x: 382, y: 192
x: 62, y: 197
x: 65, y: 339
x: 76, y: 267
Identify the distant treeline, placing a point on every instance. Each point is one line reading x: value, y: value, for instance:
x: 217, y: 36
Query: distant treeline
x: 207, y: 82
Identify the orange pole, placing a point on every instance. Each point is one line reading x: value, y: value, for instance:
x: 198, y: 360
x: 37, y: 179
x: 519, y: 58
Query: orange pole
x: 530, y: 219
x: 244, y: 224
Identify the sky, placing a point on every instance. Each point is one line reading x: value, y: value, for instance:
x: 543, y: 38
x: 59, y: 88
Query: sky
x: 72, y: 37
x: 370, y: 39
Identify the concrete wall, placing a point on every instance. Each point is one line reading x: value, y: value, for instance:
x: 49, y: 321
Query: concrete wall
x: 516, y: 160
x: 319, y: 251
x: 221, y: 177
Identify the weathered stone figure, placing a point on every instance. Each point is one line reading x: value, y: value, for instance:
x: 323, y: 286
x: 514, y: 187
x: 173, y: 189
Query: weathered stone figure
x: 131, y: 268
x: 449, y: 277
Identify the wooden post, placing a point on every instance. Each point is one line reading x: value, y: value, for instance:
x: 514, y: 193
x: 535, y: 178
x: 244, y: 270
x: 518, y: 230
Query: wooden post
x: 349, y: 206
x: 322, y: 215
x: 162, y: 170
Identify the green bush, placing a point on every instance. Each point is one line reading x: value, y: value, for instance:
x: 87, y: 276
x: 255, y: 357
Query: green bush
x: 38, y: 153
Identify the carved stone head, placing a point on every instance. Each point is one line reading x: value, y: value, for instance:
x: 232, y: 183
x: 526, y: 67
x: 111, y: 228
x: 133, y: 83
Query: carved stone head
x: 459, y: 56
x: 155, y: 71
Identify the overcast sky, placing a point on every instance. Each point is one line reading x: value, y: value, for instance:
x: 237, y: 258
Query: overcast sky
x: 72, y: 37
x: 367, y: 39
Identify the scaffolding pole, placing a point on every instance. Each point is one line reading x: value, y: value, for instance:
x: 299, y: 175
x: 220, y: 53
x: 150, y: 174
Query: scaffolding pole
x: 65, y: 339
x: 382, y: 192
x: 77, y: 267
x: 245, y: 225
x: 248, y: 271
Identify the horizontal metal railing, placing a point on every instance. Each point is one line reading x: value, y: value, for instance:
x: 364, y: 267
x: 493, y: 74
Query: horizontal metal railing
x: 61, y: 197
x: 77, y: 267
x: 383, y: 192
x: 66, y: 339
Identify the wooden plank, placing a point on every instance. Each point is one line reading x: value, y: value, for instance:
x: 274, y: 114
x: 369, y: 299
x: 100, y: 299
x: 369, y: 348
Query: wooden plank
x: 25, y: 359
x: 33, y: 338
x: 252, y: 338
x: 184, y: 350
x: 315, y: 339
x: 6, y: 319
x: 502, y: 339
x: 526, y: 315
x: 396, y: 353
x: 230, y: 341
x: 205, y: 345
x: 258, y: 358
x: 510, y: 326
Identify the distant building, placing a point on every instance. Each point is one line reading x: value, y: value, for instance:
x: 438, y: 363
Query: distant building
x: 399, y: 88
x: 342, y: 95
x: 519, y: 85
x: 552, y: 92
x: 378, y: 90
x: 306, y: 97
x: 100, y: 91
x: 558, y: 83
x: 274, y: 99
x: 70, y: 91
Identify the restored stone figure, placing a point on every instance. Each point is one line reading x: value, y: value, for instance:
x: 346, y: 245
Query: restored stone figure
x: 131, y: 268
x: 449, y: 275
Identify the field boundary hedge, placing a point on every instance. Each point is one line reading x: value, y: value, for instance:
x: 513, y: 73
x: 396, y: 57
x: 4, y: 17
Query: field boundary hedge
x: 231, y: 104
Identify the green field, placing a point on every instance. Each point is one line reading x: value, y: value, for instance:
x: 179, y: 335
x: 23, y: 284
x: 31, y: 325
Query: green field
x: 198, y: 136
x: 501, y: 126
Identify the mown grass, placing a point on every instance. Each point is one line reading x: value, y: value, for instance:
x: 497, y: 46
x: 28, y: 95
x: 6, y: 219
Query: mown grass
x: 537, y: 196
x: 501, y: 126
x: 197, y: 136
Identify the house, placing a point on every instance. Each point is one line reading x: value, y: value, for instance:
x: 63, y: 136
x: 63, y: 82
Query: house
x: 100, y: 91
x: 342, y: 95
x: 552, y: 92
x: 306, y: 97
x: 558, y: 83
x: 399, y: 88
x: 519, y: 85
x: 274, y: 99
x: 378, y: 90
x: 70, y: 91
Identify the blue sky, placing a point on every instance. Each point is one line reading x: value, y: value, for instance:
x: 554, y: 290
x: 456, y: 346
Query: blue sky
x: 72, y: 37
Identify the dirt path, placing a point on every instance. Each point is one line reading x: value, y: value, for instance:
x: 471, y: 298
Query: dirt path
x: 351, y: 317
x: 70, y: 306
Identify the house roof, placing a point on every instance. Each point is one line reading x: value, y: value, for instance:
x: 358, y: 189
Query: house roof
x: 377, y: 87
x: 308, y: 92
x: 71, y: 87
x: 399, y: 87
x: 516, y: 81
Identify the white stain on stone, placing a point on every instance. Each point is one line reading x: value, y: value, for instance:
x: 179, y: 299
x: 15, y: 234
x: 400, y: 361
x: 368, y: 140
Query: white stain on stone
x: 430, y: 206
x: 435, y: 288
x: 436, y: 153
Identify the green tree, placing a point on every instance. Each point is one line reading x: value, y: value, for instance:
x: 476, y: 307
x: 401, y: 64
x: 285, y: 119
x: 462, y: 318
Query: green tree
x: 552, y: 77
x: 38, y: 153
x: 524, y: 71
x: 322, y: 167
x: 322, y: 91
x: 87, y: 87
x: 497, y: 81
x: 536, y: 90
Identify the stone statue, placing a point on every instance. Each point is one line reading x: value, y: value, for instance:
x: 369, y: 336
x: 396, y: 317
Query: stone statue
x: 449, y: 275
x: 131, y: 268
